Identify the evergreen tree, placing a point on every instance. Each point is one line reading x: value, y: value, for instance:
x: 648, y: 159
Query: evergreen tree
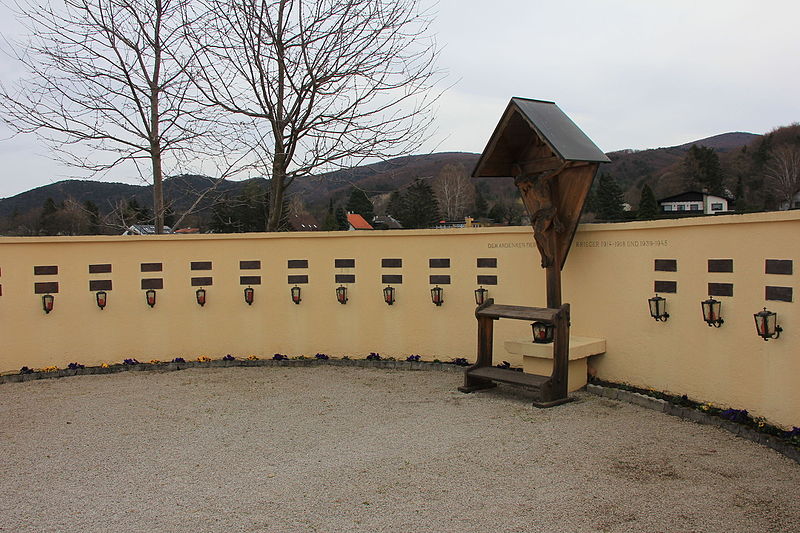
x: 395, y: 207
x: 48, y: 218
x: 741, y: 202
x: 497, y: 213
x: 481, y: 207
x: 609, y: 198
x: 702, y: 169
x: 330, y: 219
x: 359, y: 203
x: 421, y: 210
x: 93, y: 217
x: 341, y: 219
x: 223, y: 217
x: 648, y: 206
x: 590, y: 205
x: 169, y: 216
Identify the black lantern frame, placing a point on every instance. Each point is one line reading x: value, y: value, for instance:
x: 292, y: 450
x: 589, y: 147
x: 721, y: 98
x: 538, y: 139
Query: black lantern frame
x: 101, y: 297
x: 48, y: 301
x: 543, y: 332
x: 388, y: 294
x: 341, y: 294
x: 150, y: 297
x: 767, y: 325
x: 437, y: 296
x: 658, y: 308
x: 249, y: 295
x: 711, y: 312
x: 480, y: 295
x: 200, y: 295
x: 296, y: 294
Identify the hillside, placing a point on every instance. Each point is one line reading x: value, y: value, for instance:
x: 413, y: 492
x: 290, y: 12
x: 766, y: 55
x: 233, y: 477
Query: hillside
x: 661, y: 168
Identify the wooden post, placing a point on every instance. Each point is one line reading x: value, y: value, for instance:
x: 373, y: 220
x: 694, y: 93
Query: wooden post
x: 484, y: 356
x: 555, y: 391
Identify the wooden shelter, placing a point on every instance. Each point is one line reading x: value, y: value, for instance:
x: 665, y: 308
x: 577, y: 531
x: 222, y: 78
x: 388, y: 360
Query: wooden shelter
x: 553, y: 164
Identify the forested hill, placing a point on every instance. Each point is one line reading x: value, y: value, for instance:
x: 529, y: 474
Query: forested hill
x: 741, y: 156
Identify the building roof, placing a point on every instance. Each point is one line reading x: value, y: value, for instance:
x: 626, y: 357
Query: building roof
x: 690, y: 196
x: 388, y: 221
x: 552, y: 126
x: 303, y: 223
x: 144, y: 229
x: 357, y: 221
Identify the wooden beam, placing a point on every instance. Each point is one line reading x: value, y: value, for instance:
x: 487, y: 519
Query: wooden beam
x: 540, y: 165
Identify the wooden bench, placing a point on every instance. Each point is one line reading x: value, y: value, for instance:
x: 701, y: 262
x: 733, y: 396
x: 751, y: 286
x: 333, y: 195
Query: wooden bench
x: 547, y: 390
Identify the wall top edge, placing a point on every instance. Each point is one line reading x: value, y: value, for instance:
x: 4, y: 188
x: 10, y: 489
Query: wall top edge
x: 750, y: 218
x: 715, y: 220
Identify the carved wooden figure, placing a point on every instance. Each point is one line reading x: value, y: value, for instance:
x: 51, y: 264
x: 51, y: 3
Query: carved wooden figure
x: 553, y: 164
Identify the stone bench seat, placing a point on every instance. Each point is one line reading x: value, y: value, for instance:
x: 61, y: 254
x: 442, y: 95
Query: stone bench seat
x: 537, y: 358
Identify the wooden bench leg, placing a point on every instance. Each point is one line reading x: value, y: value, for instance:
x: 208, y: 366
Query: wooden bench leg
x: 485, y: 340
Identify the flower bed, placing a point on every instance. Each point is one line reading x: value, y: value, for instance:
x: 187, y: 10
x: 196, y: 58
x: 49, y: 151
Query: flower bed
x: 737, y: 421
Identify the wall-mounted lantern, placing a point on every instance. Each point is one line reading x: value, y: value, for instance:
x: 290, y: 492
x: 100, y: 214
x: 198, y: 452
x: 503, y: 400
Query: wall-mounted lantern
x: 102, y: 298
x: 542, y: 332
x: 47, y: 303
x: 200, y: 294
x: 437, y: 295
x: 150, y: 295
x: 711, y: 312
x: 767, y: 325
x: 296, y: 294
x: 658, y: 308
x: 480, y: 295
x: 249, y: 295
x: 341, y: 294
x: 388, y: 294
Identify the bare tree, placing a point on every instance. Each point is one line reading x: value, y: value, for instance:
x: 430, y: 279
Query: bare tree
x: 326, y: 83
x: 783, y: 171
x: 106, y: 74
x: 454, y: 190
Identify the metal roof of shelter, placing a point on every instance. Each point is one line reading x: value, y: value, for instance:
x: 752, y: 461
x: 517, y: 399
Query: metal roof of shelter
x: 550, y: 124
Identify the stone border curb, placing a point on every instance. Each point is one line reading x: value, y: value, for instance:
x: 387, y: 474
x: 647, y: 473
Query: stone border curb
x: 687, y: 413
x: 219, y: 363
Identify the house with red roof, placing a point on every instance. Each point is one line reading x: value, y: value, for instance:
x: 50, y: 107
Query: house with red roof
x: 356, y: 221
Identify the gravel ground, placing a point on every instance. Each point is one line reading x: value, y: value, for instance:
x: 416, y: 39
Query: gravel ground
x: 354, y: 449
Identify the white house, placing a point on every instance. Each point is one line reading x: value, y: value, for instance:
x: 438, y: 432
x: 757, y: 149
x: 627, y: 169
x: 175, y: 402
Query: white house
x: 695, y: 201
x: 794, y: 204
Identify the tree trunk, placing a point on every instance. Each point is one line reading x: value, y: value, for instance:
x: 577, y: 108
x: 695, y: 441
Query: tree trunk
x: 276, y: 192
x: 158, y: 189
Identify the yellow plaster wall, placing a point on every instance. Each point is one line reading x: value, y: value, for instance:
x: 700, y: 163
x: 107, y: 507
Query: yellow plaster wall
x: 608, y: 278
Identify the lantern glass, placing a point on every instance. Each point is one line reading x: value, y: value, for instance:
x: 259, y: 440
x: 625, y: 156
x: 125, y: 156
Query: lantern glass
x: 150, y: 295
x: 712, y: 312
x: 249, y: 295
x: 341, y: 294
x: 658, y: 308
x: 542, y: 332
x: 437, y: 295
x: 201, y: 296
x: 767, y: 324
x: 296, y: 294
x: 480, y: 295
x: 47, y: 302
x: 101, y: 297
x: 388, y: 294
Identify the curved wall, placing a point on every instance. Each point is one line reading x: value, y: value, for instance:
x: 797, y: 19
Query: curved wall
x: 610, y: 274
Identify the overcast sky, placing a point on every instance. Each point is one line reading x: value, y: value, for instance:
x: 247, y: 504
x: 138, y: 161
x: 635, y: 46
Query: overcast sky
x: 631, y: 73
